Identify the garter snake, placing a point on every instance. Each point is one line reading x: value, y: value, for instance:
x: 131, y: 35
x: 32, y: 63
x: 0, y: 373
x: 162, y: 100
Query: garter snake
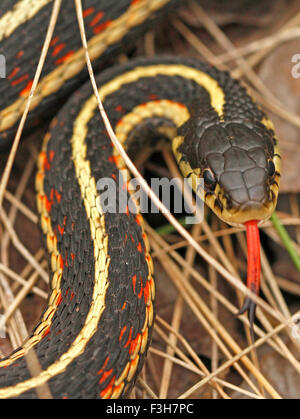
x: 94, y: 333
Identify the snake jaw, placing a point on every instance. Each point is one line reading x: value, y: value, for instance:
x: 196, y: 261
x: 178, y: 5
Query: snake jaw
x: 238, y: 216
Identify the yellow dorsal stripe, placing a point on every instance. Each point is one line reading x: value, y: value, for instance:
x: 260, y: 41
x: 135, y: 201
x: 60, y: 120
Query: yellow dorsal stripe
x: 89, y: 194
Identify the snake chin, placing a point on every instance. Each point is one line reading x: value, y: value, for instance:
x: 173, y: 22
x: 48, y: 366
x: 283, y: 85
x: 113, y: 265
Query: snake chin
x: 238, y: 214
x: 250, y: 210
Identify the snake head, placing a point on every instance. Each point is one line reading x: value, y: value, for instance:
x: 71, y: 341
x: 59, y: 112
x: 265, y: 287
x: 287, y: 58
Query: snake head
x: 240, y: 166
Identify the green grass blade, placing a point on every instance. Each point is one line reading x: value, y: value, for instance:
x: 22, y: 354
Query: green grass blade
x: 287, y: 241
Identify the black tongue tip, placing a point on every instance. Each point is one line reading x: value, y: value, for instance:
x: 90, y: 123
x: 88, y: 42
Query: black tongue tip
x: 249, y: 306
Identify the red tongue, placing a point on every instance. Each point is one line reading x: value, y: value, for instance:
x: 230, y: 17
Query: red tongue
x: 253, y: 275
x: 253, y: 244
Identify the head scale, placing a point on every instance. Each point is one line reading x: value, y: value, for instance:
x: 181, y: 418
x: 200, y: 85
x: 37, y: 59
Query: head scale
x: 240, y: 165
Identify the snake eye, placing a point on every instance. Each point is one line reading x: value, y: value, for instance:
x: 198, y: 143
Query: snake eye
x: 271, y: 168
x: 209, y: 179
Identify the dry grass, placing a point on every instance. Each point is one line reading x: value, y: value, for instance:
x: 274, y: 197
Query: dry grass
x: 202, y: 289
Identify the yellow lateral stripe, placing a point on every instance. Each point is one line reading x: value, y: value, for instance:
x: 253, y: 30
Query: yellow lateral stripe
x: 136, y: 14
x: 47, y: 317
x: 267, y: 123
x: 22, y: 12
x: 100, y: 242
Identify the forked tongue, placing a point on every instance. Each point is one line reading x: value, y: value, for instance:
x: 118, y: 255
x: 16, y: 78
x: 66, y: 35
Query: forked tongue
x: 253, y: 272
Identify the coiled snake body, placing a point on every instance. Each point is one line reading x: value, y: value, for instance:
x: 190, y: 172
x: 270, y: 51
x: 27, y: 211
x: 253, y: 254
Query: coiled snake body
x: 94, y: 333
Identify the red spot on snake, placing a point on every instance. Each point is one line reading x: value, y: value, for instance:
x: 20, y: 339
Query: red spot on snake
x: 180, y: 104
x: 119, y: 108
x: 134, y: 2
x: 46, y: 332
x: 13, y: 73
x: 26, y: 89
x: 129, y: 338
x: 58, y: 198
x: 20, y: 79
x: 64, y: 58
x: 51, y: 154
x: 105, y: 362
x: 88, y: 12
x: 138, y: 219
x: 133, y: 279
x: 114, y: 159
x: 54, y: 41
x: 61, y: 229
x: 48, y: 204
x: 134, y: 343
x: 105, y: 375
x: 108, y: 389
x: 20, y: 54
x: 139, y: 247
x: 102, y: 27
x: 96, y: 19
x: 61, y: 262
x: 141, y: 290
x: 59, y: 299
x: 57, y: 49
x: 123, y: 330
x: 103, y: 366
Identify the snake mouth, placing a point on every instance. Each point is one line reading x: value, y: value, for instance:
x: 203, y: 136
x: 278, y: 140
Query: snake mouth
x: 254, y: 210
x: 241, y: 214
x: 251, y: 210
